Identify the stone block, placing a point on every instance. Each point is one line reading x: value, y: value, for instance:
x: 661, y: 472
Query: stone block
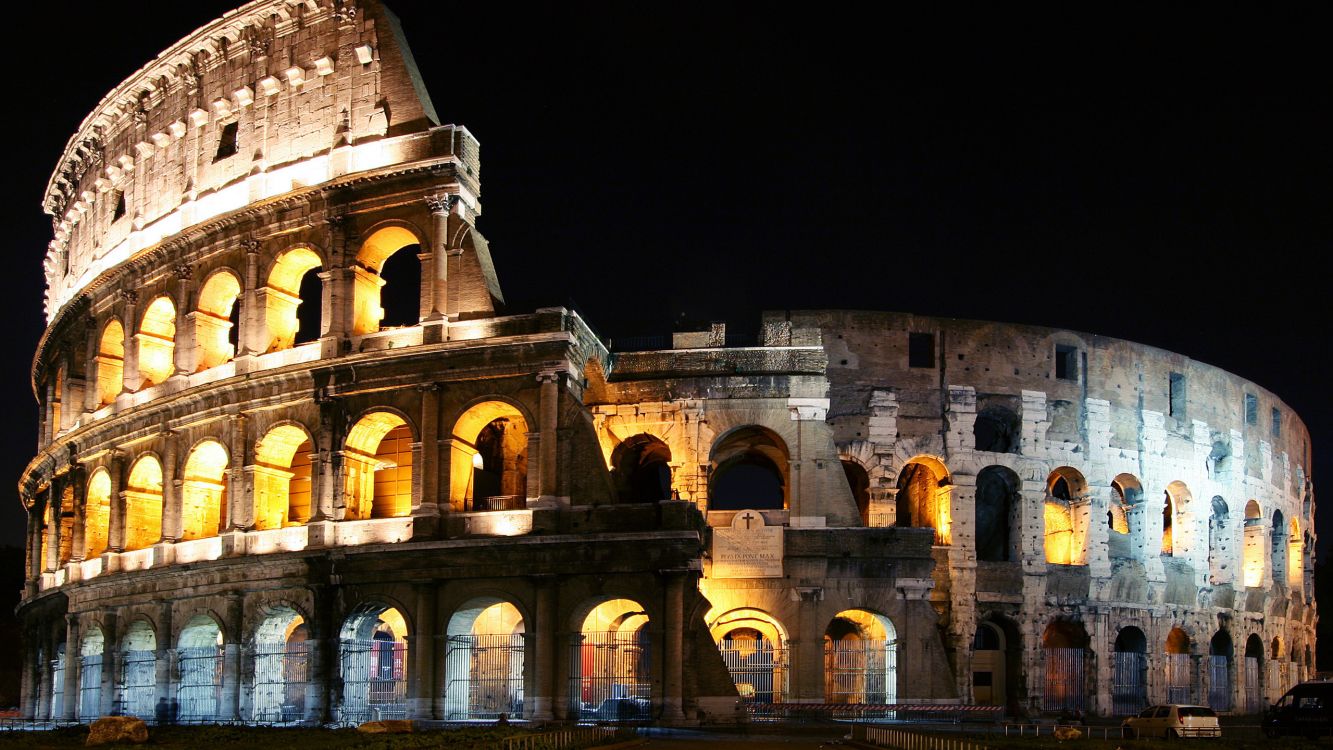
x: 117, y: 729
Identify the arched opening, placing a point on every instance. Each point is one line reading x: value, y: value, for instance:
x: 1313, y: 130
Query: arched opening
x: 143, y: 504
x: 1063, y: 516
x: 1179, y: 668
x: 57, y: 683
x: 1278, y: 548
x: 282, y: 659
x: 1254, y: 674
x: 749, y: 471
x: 373, y: 658
x: 110, y: 363
x: 65, y: 518
x: 157, y: 342
x: 997, y: 430
x: 489, y: 458
x: 1253, y: 565
x: 377, y: 467
x: 611, y: 668
x: 753, y: 645
x: 1279, y: 665
x: 204, y: 491
x: 137, y: 686
x: 1175, y: 536
x: 859, y: 482
x: 1295, y: 558
x: 199, y: 660
x: 1064, y: 644
x: 1219, y: 671
x: 989, y: 665
x: 373, y: 271
x: 641, y: 469
x: 97, y: 514
x: 860, y: 659
x: 91, y: 648
x: 998, y: 501
x: 282, y: 477
x: 1129, y: 684
x: 1123, y: 540
x: 214, y: 330
x: 483, y: 661
x: 57, y: 400
x: 924, y: 497
x: 293, y: 299
x: 1219, y: 542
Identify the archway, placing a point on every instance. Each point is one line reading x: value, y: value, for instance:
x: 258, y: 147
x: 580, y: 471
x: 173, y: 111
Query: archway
x: 110, y: 363
x: 282, y: 660
x: 488, y: 458
x: 641, y: 469
x: 377, y: 467
x: 989, y: 678
x: 204, y: 491
x: 1219, y: 671
x: 372, y: 650
x: 282, y: 475
x: 97, y: 514
x: 1278, y: 548
x: 91, y: 649
x: 1179, y: 668
x: 749, y: 471
x: 1253, y: 554
x: 1175, y: 517
x: 611, y: 665
x: 1129, y: 684
x: 997, y: 430
x: 483, y: 663
x: 753, y: 645
x: 372, y: 273
x: 1254, y: 674
x: 1295, y: 558
x: 157, y: 342
x: 1065, y: 527
x: 923, y: 498
x: 214, y: 320
x: 860, y: 659
x: 137, y: 687
x: 859, y: 482
x: 1064, y: 644
x: 292, y: 300
x: 1123, y: 541
x: 199, y: 661
x: 143, y: 504
x: 998, y: 501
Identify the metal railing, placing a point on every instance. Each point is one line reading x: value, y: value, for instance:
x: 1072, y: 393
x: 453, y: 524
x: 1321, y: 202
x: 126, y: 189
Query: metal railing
x: 905, y: 740
x: 568, y: 738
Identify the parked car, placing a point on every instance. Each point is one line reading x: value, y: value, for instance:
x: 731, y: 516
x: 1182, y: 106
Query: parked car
x: 1173, y: 721
x: 1306, y: 710
x: 622, y: 709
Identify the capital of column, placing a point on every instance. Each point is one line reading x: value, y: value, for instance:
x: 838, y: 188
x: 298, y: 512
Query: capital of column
x: 441, y: 204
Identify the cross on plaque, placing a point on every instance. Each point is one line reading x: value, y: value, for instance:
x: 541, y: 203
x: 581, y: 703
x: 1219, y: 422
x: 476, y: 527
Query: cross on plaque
x: 747, y: 518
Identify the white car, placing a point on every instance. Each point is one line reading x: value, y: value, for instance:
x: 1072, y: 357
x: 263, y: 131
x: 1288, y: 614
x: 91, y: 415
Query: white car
x: 1174, y: 721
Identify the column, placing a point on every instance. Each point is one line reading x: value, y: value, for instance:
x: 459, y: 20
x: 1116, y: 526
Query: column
x: 807, y: 649
x: 42, y: 702
x: 186, y: 353
x: 250, y: 339
x: 36, y: 531
x: 166, y: 653
x: 322, y: 667
x: 421, y: 646
x: 71, y: 697
x: 231, y: 658
x: 329, y: 466
x: 539, y: 705
x: 106, y: 695
x: 171, y: 489
x: 116, y: 516
x: 339, y: 307
x: 30, y: 680
x: 53, y: 507
x: 673, y: 651
x: 550, y: 400
x: 79, y: 482
x: 439, y: 206
x: 92, y: 342
x: 427, y: 512
x: 129, y: 319
x: 239, y: 509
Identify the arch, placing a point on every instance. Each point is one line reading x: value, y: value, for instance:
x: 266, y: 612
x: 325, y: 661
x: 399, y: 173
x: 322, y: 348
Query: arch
x: 92, y: 648
x: 998, y: 430
x: 204, y: 491
x: 990, y: 683
x: 1275, y: 650
x: 749, y: 470
x: 641, y: 469
x: 484, y: 660
x: 1124, y: 541
x: 999, y: 500
x: 924, y: 496
x: 858, y: 480
x: 282, y: 476
x: 1175, y: 536
x: 1253, y: 554
x: 214, y: 324
x: 1278, y: 548
x: 157, y: 342
x: 1295, y: 556
x: 1254, y: 674
x: 136, y: 683
x: 199, y: 650
x: 1220, y: 652
x: 143, y: 503
x: 1064, y: 645
x: 1064, y: 517
x: 753, y: 644
x: 291, y: 285
x: 1179, y: 667
x: 612, y: 667
x: 860, y: 658
x: 97, y: 514
x: 282, y: 658
x: 1129, y: 683
x: 489, y: 457
x: 369, y: 277
x: 377, y: 467
x: 110, y: 363
x: 372, y: 648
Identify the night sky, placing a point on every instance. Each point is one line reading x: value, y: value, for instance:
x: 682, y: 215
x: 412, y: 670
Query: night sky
x: 1164, y: 180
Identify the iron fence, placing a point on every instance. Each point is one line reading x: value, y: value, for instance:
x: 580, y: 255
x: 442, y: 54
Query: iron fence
x: 861, y: 671
x: 610, y: 676
x: 90, y: 687
x: 1179, y: 679
x: 138, y: 684
x: 281, y: 673
x: 1129, y: 685
x: 1219, y: 683
x: 483, y: 676
x: 759, y: 670
x: 1254, y: 702
x: 1064, y: 689
x: 374, y: 678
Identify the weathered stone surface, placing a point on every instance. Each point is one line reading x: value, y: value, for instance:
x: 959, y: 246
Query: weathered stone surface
x: 387, y: 726
x: 117, y: 729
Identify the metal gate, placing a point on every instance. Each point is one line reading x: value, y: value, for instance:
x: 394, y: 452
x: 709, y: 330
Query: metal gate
x: 1254, y: 703
x: 90, y: 687
x: 1178, y: 682
x: 484, y: 676
x: 758, y: 669
x: 281, y: 673
x: 138, y: 684
x: 58, y: 686
x: 610, y: 676
x: 1129, y: 686
x: 374, y: 681
x: 861, y: 672
x: 200, y: 689
x: 1219, y: 683
x: 1064, y: 687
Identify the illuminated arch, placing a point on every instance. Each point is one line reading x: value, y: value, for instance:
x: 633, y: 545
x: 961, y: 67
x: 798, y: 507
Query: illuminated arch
x: 484, y: 663
x: 97, y: 514
x: 753, y: 644
x: 1064, y: 646
x: 92, y: 653
x: 136, y: 678
x: 641, y: 469
x: 372, y: 649
x: 368, y: 278
x: 282, y: 297
x: 750, y: 470
x: 199, y: 650
x: 489, y: 458
x: 924, y: 496
x: 1295, y: 557
x: 143, y: 503
x: 377, y: 467
x: 612, y: 668
x: 157, y: 342
x: 860, y: 658
x: 213, y: 327
x: 204, y: 491
x: 1253, y: 554
x: 1175, y: 536
x: 282, y: 477
x: 1064, y: 517
x: 110, y: 363
x: 282, y: 657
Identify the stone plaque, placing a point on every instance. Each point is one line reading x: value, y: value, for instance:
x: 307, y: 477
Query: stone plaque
x: 749, y: 549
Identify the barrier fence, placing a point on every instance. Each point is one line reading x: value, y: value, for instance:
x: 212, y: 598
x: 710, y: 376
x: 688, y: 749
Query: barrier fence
x: 568, y: 738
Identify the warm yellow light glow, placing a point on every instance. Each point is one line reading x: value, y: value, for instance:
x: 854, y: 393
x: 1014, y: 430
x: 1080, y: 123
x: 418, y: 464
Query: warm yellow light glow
x: 393, y: 619
x: 110, y: 363
x: 511, y: 453
x: 1253, y: 556
x: 1059, y: 533
x: 367, y: 284
x: 157, y: 342
x: 615, y: 615
x: 282, y: 477
x: 378, y: 468
x: 143, y: 504
x: 1295, y: 558
x: 97, y: 518
x: 204, y: 491
x: 213, y: 320
x: 282, y: 296
x: 498, y: 619
x: 925, y: 496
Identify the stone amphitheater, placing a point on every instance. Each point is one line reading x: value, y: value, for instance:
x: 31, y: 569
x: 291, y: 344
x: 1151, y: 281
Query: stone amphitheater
x: 299, y: 464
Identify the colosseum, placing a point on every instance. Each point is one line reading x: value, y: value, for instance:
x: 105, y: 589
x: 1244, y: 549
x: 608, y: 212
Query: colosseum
x: 299, y: 464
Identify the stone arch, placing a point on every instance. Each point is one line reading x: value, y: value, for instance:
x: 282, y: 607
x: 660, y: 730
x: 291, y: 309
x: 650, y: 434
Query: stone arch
x: 1253, y: 555
x: 753, y: 645
x: 1008, y: 677
x: 489, y: 456
x: 1219, y: 541
x: 1278, y: 548
x: 1295, y: 556
x: 750, y: 470
x: 990, y: 681
x: 858, y: 480
x: 924, y: 496
x: 998, y: 508
x: 1129, y: 682
x: 143, y: 503
x: 291, y: 285
x: 1179, y: 667
x: 860, y: 658
x: 997, y: 429
x: 611, y: 670
x: 1065, y: 517
x: 204, y: 490
x: 1220, y: 658
x: 641, y: 469
x: 92, y: 655
x: 281, y: 665
x: 215, y: 319
x: 136, y: 678
x: 283, y: 476
x: 1254, y: 674
x: 484, y: 661
x: 97, y: 513
x: 372, y: 649
x: 1175, y: 519
x: 1065, y: 650
x: 377, y: 466
x: 1124, y: 537
x: 110, y: 363
x: 381, y: 244
x: 199, y: 649
x: 156, y: 339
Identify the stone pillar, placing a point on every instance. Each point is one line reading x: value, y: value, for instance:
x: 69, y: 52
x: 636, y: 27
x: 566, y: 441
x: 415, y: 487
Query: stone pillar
x: 539, y: 705
x: 439, y: 206
x: 421, y: 677
x: 329, y: 466
x: 252, y: 336
x: 129, y: 320
x: 116, y: 515
x: 36, y: 535
x: 673, y: 650
x: 54, y: 507
x: 42, y: 707
x: 322, y: 668
x: 166, y: 654
x: 171, y: 489
x: 71, y: 698
x: 78, y: 544
x: 30, y: 680
x: 550, y: 404
x: 339, y: 307
x: 231, y: 658
x: 106, y: 695
x: 186, y: 352
x: 240, y: 505
x: 427, y: 512
x: 91, y: 344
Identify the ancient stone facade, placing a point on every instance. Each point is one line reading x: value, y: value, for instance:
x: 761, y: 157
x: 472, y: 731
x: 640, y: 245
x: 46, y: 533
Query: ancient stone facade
x: 260, y: 496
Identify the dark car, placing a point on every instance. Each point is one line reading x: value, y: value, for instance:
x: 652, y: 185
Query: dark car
x: 1306, y: 710
x: 622, y: 709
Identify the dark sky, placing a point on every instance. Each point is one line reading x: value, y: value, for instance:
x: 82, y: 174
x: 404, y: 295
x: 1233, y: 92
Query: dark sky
x: 1160, y: 179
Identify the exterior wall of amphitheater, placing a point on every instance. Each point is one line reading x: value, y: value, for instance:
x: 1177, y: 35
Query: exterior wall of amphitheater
x: 275, y: 516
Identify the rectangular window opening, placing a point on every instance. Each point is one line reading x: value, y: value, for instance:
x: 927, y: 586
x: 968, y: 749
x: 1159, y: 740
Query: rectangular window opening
x: 920, y: 350
x: 119, y: 210
x: 227, y: 141
x: 1251, y: 409
x: 1177, y: 395
x: 1277, y: 423
x: 1066, y: 362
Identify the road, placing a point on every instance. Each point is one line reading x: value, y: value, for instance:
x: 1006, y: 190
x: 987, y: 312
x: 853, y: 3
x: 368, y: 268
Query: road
x: 801, y: 739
